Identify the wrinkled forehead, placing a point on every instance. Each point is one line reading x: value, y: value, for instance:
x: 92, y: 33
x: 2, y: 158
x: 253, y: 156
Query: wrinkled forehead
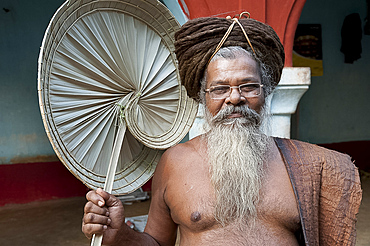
x: 235, y: 52
x: 242, y: 68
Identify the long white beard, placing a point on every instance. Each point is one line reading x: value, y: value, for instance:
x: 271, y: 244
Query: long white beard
x: 236, y: 152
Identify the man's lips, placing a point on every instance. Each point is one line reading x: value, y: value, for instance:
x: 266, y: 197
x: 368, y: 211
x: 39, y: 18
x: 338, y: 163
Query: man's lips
x: 234, y: 115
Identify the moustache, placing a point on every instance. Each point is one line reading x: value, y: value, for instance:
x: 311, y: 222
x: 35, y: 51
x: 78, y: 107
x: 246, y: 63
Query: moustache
x: 248, y: 116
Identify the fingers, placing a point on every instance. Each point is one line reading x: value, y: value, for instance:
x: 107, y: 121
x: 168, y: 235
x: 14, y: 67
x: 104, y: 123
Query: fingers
x: 97, y: 212
x: 93, y: 208
x: 91, y: 229
x: 96, y: 216
x: 94, y: 204
x: 110, y: 200
x: 91, y: 218
x: 97, y: 198
x: 95, y: 220
x: 101, y: 198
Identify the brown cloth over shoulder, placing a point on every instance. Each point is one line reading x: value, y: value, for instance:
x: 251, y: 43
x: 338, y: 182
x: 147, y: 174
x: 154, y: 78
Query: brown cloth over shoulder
x: 328, y: 191
x: 197, y: 40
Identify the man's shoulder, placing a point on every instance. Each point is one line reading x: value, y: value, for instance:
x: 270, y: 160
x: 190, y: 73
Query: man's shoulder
x: 315, y: 149
x: 183, y: 154
x: 309, y: 153
x: 192, y: 146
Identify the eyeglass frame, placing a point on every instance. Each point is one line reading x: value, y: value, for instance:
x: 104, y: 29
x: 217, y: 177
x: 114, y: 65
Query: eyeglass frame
x: 234, y: 87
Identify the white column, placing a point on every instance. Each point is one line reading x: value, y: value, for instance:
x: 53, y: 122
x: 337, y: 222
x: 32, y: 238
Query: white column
x: 197, y: 127
x: 282, y: 102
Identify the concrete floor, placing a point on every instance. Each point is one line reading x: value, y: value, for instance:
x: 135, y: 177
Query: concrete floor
x: 58, y: 222
x: 54, y: 222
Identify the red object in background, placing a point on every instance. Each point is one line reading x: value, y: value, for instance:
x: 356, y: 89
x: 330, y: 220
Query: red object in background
x: 282, y: 15
x: 358, y: 150
x: 147, y: 186
x: 27, y: 182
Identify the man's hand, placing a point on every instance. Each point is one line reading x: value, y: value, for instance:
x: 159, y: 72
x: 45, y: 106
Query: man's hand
x: 103, y: 214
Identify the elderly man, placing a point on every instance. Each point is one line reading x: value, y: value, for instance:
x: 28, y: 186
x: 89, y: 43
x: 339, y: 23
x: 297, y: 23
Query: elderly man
x: 235, y: 185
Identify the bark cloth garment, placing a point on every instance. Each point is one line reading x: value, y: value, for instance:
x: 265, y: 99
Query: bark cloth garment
x: 328, y: 191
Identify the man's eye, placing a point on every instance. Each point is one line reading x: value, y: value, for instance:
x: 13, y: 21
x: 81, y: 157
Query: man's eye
x: 220, y: 89
x: 249, y: 87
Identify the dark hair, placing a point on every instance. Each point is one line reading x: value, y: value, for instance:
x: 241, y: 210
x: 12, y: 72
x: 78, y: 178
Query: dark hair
x: 197, y: 40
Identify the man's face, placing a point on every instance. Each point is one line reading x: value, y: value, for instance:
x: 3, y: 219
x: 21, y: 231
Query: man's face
x: 233, y: 72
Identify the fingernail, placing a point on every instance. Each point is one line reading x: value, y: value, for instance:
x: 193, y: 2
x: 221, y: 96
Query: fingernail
x: 100, y: 203
x: 109, y: 220
x: 107, y: 214
x: 105, y: 227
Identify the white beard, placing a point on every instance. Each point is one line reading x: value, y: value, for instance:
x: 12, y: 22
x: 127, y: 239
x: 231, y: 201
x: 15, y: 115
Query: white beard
x: 237, y: 152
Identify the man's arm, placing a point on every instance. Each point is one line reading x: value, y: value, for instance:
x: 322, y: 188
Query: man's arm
x: 104, y: 214
x: 160, y: 223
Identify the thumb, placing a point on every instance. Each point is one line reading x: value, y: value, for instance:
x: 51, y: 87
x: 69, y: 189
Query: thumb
x: 109, y: 200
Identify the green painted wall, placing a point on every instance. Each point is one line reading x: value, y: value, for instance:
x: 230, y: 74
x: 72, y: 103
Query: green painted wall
x: 22, y: 25
x: 336, y: 108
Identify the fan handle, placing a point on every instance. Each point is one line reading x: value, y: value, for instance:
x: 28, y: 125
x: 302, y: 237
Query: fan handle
x: 108, y: 185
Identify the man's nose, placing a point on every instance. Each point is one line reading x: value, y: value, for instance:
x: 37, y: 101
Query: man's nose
x: 235, y: 97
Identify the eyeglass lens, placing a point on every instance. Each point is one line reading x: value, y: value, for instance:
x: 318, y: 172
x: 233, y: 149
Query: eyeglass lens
x: 246, y: 90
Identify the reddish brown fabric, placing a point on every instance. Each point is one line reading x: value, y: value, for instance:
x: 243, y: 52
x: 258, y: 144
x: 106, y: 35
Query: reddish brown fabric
x: 198, y: 38
x: 328, y: 191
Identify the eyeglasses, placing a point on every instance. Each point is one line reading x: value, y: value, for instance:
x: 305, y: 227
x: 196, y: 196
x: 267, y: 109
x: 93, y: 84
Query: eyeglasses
x: 246, y: 90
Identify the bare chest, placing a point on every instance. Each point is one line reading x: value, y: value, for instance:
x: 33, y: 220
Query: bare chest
x: 194, y: 206
x: 191, y: 203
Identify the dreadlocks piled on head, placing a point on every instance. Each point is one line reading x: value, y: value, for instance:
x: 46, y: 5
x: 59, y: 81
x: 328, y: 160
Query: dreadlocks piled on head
x: 197, y: 40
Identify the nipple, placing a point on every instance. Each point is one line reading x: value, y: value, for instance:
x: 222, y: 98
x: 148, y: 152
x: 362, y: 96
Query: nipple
x: 195, y: 216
